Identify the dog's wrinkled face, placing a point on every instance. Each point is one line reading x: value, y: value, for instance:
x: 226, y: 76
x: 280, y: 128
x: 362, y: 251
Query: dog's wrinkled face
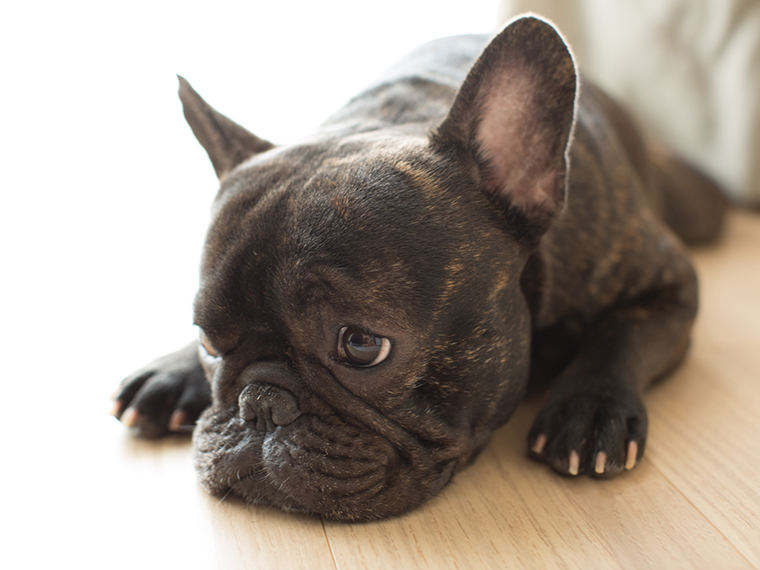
x: 363, y: 325
x: 364, y: 332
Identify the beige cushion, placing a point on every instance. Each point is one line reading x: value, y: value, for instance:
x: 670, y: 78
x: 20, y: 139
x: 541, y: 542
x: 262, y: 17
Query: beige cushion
x: 689, y: 69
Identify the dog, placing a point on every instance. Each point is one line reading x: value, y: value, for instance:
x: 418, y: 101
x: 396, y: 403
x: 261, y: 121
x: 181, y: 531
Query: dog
x: 377, y: 299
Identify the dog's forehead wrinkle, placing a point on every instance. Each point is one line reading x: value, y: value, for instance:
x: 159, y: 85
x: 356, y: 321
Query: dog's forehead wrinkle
x: 316, y: 225
x: 431, y: 234
x: 362, y: 295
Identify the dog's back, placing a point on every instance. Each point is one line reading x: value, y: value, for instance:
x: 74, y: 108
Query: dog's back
x: 376, y: 299
x: 687, y: 200
x: 418, y: 91
x: 608, y: 242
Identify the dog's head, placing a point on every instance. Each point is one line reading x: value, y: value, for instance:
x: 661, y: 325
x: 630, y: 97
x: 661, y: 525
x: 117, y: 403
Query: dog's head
x: 363, y: 325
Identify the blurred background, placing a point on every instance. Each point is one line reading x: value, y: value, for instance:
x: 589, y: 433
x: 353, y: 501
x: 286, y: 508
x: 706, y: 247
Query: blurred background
x: 688, y: 69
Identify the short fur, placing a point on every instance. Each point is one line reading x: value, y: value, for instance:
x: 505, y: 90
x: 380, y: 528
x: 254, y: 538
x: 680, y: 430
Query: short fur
x: 499, y: 225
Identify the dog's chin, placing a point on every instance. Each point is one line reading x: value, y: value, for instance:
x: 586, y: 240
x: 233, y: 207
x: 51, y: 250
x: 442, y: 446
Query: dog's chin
x: 316, y: 465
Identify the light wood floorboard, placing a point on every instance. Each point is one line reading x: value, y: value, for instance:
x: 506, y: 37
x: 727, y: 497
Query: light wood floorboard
x: 90, y: 493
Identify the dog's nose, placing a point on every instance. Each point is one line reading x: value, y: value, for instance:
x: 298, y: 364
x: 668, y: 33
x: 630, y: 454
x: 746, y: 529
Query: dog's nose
x: 267, y: 405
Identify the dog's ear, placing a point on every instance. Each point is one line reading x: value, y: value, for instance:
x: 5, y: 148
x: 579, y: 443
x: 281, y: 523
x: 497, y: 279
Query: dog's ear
x: 512, y: 121
x: 227, y: 143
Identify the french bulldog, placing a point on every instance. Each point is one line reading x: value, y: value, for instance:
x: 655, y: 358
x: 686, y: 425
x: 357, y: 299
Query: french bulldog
x: 377, y: 299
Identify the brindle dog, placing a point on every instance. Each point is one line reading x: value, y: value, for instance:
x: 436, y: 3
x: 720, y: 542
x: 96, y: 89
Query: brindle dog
x: 376, y: 299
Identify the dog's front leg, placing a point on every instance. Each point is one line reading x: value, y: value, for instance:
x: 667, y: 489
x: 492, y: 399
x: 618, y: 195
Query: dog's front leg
x: 594, y: 420
x: 167, y: 395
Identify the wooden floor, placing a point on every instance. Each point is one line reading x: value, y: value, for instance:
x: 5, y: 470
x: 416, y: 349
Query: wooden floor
x: 693, y: 502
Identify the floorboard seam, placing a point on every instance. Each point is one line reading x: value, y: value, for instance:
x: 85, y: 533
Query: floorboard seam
x: 329, y: 544
x: 703, y: 515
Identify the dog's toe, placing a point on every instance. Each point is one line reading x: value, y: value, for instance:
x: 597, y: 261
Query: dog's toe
x: 166, y: 396
x: 590, y: 434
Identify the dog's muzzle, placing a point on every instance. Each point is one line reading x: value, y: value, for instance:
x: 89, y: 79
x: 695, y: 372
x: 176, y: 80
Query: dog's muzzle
x: 268, y: 406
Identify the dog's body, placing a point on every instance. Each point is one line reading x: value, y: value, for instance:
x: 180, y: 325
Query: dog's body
x: 375, y: 300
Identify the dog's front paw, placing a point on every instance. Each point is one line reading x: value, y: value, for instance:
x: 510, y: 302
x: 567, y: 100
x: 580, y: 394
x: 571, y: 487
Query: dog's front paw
x: 167, y: 395
x: 596, y: 433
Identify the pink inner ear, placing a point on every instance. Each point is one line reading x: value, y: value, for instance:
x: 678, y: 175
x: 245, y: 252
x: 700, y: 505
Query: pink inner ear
x: 518, y: 147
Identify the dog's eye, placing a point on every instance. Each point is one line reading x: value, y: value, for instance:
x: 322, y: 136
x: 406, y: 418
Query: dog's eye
x: 360, y: 348
x: 207, y: 346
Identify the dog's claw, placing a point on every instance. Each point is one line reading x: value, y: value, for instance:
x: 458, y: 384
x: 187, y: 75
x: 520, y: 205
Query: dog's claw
x: 177, y: 420
x: 540, y: 443
x: 601, y: 461
x: 598, y: 434
x: 170, y: 394
x: 129, y: 417
x: 633, y: 451
x: 574, y: 462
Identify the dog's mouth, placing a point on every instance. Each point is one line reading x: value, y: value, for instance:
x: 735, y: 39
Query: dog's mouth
x: 316, y: 465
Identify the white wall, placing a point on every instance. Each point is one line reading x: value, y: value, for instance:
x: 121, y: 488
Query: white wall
x: 103, y: 189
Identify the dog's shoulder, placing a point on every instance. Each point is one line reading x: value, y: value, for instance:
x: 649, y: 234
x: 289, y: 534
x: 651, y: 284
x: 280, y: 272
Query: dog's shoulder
x: 609, y: 244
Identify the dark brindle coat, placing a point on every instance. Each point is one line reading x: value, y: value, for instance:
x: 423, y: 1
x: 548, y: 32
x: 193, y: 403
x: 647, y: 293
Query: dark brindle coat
x: 489, y: 225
